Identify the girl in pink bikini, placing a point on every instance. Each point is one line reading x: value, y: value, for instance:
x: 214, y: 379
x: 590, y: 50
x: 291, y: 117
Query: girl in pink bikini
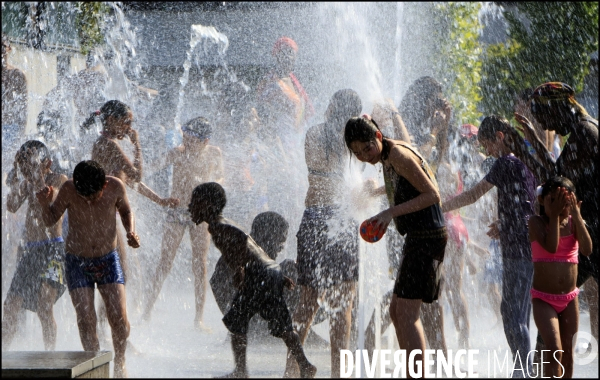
x: 557, y: 235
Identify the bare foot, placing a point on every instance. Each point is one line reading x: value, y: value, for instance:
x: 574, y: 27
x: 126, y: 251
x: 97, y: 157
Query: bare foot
x: 119, y: 372
x: 308, y: 372
x: 202, y: 327
x: 292, y: 371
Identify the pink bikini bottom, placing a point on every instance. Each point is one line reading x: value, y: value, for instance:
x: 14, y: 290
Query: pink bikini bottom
x: 558, y: 301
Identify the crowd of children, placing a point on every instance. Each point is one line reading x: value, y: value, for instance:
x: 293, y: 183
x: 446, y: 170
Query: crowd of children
x: 547, y: 220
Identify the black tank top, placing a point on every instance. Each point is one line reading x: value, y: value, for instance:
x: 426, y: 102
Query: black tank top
x: 399, y: 190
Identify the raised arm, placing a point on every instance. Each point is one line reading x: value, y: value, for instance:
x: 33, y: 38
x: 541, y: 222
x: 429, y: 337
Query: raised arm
x: 17, y: 193
x: 581, y: 232
x: 468, y: 197
x: 543, y: 169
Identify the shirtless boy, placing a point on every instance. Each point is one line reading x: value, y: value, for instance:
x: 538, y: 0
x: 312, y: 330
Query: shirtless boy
x: 92, y: 199
x: 258, y: 278
x: 194, y: 162
x: 38, y: 280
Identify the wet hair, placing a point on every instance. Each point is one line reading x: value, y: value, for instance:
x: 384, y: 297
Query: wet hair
x: 269, y: 227
x: 490, y: 125
x: 88, y: 177
x: 198, y: 127
x: 212, y: 193
x: 114, y: 108
x: 414, y: 106
x: 552, y: 184
x: 360, y: 129
x: 32, y: 149
x: 346, y: 104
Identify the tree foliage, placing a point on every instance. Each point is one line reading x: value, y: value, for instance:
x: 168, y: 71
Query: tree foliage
x: 89, y: 22
x: 548, y: 41
x: 459, y: 67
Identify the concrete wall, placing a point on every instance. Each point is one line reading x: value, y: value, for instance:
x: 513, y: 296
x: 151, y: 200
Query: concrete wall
x: 40, y: 69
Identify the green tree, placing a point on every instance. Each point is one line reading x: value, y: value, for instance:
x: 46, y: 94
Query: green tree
x: 459, y: 68
x: 89, y: 22
x: 548, y: 41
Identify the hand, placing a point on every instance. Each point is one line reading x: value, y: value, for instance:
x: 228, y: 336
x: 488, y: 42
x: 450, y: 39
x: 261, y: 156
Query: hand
x: 133, y: 240
x: 45, y: 195
x: 381, y: 220
x: 169, y: 202
x: 494, y: 231
x: 575, y: 206
x: 525, y: 126
x: 133, y: 135
x: 441, y: 117
x: 288, y: 282
x: 554, y: 206
x: 12, y: 179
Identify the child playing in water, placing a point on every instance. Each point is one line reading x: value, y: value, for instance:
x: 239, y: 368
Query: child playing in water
x: 516, y: 197
x: 258, y: 278
x: 557, y: 235
x: 92, y: 199
x: 38, y: 280
x: 415, y: 207
x: 207, y: 166
x: 116, y: 118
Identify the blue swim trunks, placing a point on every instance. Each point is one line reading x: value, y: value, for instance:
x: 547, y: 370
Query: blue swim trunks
x: 82, y: 272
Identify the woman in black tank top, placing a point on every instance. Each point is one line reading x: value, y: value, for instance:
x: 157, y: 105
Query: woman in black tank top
x: 415, y: 208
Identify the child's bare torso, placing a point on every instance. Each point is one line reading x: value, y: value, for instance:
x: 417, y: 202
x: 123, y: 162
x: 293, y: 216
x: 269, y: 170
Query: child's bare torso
x: 93, y: 225
x: 555, y: 277
x: 192, y: 168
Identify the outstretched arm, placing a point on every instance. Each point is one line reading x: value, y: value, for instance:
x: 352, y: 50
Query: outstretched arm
x: 143, y: 189
x: 468, y: 197
x: 124, y: 209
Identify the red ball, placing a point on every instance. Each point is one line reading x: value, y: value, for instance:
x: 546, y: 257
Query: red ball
x: 370, y: 233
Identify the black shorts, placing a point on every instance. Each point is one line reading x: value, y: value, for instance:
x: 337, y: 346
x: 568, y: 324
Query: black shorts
x: 420, y: 274
x: 40, y: 262
x: 262, y: 293
x: 326, y: 258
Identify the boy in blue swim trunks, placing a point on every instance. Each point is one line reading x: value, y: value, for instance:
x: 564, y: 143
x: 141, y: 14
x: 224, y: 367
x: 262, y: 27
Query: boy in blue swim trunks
x: 92, y: 199
x: 257, y: 277
x: 38, y: 280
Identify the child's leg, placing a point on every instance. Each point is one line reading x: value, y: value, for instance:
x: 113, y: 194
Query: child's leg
x: 200, y: 243
x: 405, y: 315
x: 303, y: 318
x: 546, y: 320
x: 385, y: 322
x: 292, y: 341
x: 515, y: 308
x: 239, y: 346
x: 569, y: 325
x: 454, y: 291
x: 170, y: 242
x: 83, y: 302
x: 432, y: 315
x: 116, y: 309
x: 13, y: 307
x: 45, y: 312
x: 340, y: 298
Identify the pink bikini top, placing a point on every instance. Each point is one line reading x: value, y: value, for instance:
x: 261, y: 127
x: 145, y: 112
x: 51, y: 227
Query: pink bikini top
x: 567, y: 251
